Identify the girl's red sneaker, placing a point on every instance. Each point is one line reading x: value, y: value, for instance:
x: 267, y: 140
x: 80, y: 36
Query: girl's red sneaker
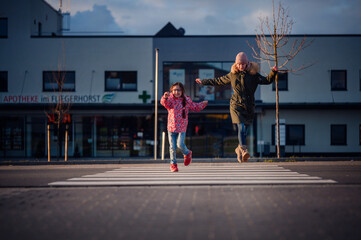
x: 173, y: 168
x: 188, y: 158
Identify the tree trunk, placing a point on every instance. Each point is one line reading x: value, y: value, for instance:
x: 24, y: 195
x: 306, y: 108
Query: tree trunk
x: 277, y: 118
x: 58, y: 142
x: 48, y: 131
x: 66, y: 143
x: 277, y: 94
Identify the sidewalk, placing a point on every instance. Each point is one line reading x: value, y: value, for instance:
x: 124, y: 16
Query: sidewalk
x: 145, y: 160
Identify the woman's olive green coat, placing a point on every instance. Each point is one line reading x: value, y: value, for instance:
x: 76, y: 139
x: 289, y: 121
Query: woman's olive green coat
x: 244, y: 85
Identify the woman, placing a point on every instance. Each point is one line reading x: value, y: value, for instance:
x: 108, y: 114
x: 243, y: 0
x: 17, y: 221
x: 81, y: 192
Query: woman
x: 244, y: 78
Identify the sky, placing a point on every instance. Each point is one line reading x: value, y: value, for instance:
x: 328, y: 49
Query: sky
x: 208, y: 17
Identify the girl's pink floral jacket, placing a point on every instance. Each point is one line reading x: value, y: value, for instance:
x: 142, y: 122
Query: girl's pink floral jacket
x: 176, y: 123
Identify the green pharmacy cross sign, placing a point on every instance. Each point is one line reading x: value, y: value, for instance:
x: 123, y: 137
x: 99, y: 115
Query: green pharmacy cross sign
x: 144, y: 96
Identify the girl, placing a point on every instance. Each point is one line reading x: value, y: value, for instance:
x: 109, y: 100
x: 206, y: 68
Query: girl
x: 178, y: 106
x: 244, y: 78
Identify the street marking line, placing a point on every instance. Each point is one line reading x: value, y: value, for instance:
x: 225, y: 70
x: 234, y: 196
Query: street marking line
x: 188, y: 178
x: 191, y: 175
x: 201, y: 182
x: 196, y: 175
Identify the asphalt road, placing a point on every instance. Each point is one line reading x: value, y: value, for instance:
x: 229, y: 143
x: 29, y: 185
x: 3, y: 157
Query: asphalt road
x: 32, y: 209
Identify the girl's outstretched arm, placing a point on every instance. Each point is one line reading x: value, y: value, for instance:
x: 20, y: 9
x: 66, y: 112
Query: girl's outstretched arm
x: 196, y: 107
x: 167, y: 100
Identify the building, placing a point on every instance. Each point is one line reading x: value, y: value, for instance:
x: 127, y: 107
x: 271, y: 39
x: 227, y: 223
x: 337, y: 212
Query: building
x: 109, y: 82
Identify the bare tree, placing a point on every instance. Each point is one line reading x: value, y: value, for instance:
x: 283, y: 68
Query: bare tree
x: 275, y: 48
x: 59, y: 107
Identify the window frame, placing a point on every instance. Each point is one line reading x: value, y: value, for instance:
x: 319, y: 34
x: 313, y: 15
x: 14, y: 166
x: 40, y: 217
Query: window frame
x: 288, y: 126
x: 332, y: 85
x: 121, y: 89
x: 6, y: 82
x: 7, y: 27
x: 192, y: 70
x: 57, y: 72
x: 12, y: 134
x: 359, y: 76
x: 344, y: 142
x: 273, y: 135
x: 286, y: 79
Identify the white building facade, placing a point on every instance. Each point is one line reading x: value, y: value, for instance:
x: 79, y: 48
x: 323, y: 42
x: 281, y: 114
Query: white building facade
x: 109, y: 81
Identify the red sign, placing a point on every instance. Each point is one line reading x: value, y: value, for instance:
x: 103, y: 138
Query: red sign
x: 51, y: 118
x: 66, y: 118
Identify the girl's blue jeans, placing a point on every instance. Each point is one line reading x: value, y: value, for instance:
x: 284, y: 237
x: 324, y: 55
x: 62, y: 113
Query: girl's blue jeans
x: 176, y: 140
x: 242, y: 133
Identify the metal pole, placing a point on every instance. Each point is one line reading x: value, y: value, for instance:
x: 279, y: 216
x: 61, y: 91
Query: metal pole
x: 156, y: 104
x: 48, y: 131
x: 66, y: 143
x: 163, y: 144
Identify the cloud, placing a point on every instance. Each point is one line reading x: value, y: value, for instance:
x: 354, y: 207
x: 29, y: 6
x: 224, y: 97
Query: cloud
x: 212, y: 17
x: 99, y: 19
x: 251, y: 22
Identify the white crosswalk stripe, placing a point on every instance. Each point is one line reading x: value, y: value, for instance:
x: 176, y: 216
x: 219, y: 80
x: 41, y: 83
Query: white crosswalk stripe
x: 246, y: 174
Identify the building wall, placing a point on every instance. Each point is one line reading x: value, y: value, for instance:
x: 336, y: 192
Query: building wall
x: 49, y: 18
x: 88, y: 57
x: 24, y: 17
x: 313, y: 84
x: 317, y: 124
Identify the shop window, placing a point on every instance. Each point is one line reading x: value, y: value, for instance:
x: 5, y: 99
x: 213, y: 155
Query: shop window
x: 113, y: 134
x: 187, y: 72
x: 295, y: 134
x: 338, y: 80
x: 120, y: 81
x: 282, y: 82
x: 338, y: 134
x: 3, y: 27
x: 3, y: 81
x: 59, y: 81
x: 12, y: 134
x: 124, y: 136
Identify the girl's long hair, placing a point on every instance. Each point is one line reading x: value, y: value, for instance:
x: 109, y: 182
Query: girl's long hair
x: 184, y: 100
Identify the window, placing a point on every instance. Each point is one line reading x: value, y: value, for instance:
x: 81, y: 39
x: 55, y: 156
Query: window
x: 12, y: 134
x: 359, y: 75
x: 3, y: 81
x: 360, y: 134
x: 338, y: 134
x: 187, y: 72
x: 120, y: 81
x: 59, y: 81
x: 295, y: 134
x: 338, y: 80
x: 282, y: 82
x: 3, y: 27
x: 40, y: 29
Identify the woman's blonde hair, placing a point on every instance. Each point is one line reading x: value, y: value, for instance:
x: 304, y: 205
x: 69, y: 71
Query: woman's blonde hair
x: 252, y: 68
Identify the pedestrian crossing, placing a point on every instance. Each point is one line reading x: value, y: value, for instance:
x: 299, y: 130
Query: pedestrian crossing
x: 196, y: 174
